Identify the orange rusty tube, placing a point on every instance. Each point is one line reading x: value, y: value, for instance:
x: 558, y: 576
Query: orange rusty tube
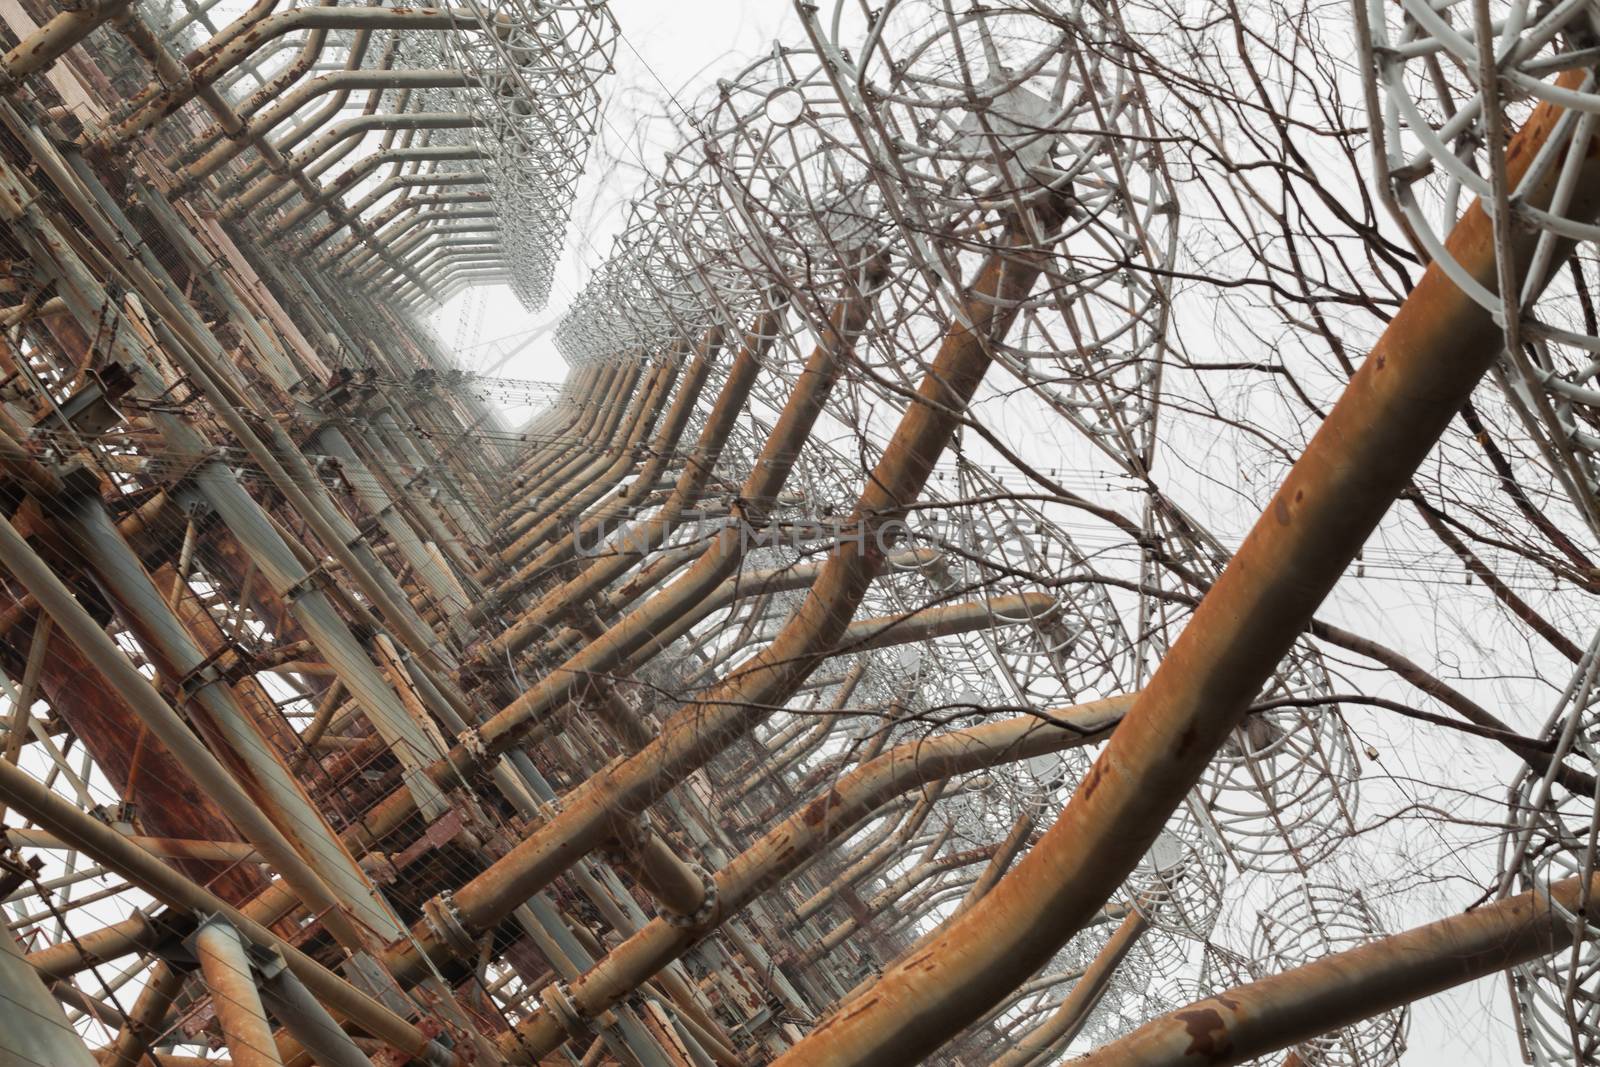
x: 894, y: 891
x: 391, y: 812
x: 563, y: 415
x: 640, y: 389
x: 747, y: 585
x: 178, y: 848
x: 1421, y: 371
x: 137, y: 933
x: 1019, y: 837
x: 234, y: 996
x: 50, y: 42
x: 675, y: 884
x: 704, y: 727
x: 579, y: 450
x: 543, y: 461
x: 143, y: 1025
x: 640, y: 632
x: 1253, y: 1019
x: 114, y: 851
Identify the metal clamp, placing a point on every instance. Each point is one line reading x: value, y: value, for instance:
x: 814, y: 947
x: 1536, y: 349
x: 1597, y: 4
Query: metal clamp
x: 444, y: 918
x: 557, y: 999
x: 202, y: 674
x: 549, y: 809
x: 472, y: 740
x: 707, y: 908
x: 309, y: 582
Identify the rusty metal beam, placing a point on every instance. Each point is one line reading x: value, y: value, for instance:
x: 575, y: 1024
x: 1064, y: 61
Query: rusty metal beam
x: 1286, y: 1009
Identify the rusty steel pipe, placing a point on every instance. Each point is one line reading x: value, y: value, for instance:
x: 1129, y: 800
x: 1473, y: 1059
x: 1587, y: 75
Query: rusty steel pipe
x: 538, y: 525
x: 576, y: 397
x: 704, y: 727
x: 1285, y: 1009
x: 231, y: 981
x: 143, y: 1024
x: 891, y: 894
x: 206, y: 155
x: 642, y: 628
x: 613, y: 513
x: 220, y: 851
x: 241, y: 203
x: 613, y: 383
x: 675, y: 884
x: 394, y: 809
x: 40, y: 49
x: 340, y: 84
x: 76, y: 624
x: 565, y: 508
x: 137, y: 933
x: 634, y: 389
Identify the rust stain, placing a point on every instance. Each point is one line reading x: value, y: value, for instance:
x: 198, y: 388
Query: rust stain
x: 865, y: 1003
x: 816, y: 812
x: 1208, y: 1033
x: 1091, y: 781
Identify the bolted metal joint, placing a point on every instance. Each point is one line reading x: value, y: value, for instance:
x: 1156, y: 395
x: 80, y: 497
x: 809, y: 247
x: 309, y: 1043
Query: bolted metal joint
x: 704, y: 913
x: 557, y: 999
x: 472, y: 740
x: 444, y: 918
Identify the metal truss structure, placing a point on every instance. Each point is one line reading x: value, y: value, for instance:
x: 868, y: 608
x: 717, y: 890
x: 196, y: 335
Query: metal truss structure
x: 765, y: 699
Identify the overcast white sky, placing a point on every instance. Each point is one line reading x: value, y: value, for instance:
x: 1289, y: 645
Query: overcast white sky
x: 667, y: 52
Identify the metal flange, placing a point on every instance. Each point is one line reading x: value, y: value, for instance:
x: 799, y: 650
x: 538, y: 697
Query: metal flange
x: 557, y: 999
x: 444, y: 918
x: 707, y: 908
